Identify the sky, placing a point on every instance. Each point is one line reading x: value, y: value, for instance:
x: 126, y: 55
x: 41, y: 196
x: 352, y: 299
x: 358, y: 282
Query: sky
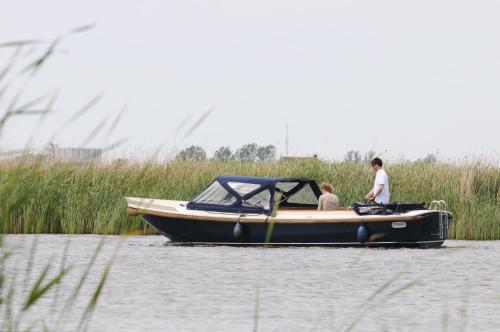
x: 402, y: 78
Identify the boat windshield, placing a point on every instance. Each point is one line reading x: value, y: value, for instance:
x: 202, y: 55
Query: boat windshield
x: 243, y: 188
x: 215, y: 194
x: 286, y: 186
x: 261, y: 199
x: 291, y: 195
x: 304, y: 196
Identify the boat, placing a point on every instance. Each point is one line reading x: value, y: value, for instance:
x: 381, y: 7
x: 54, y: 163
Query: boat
x: 247, y: 210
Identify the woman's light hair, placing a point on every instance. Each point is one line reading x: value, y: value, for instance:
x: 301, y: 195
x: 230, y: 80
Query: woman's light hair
x: 326, y: 187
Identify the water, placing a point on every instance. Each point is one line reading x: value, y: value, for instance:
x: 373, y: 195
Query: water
x: 154, y: 286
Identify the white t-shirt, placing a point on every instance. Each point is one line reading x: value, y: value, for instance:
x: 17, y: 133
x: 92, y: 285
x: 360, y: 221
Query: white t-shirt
x: 382, y: 178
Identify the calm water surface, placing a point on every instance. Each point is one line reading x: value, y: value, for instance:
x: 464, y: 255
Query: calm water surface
x: 154, y: 286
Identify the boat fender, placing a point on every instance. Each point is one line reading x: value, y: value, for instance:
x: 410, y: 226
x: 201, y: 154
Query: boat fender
x: 238, y: 230
x: 362, y: 233
x: 132, y: 212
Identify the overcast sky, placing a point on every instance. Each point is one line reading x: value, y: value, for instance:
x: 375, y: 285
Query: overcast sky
x: 398, y: 77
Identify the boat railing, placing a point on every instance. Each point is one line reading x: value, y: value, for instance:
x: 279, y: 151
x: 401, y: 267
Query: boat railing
x: 438, y: 205
x: 441, y: 206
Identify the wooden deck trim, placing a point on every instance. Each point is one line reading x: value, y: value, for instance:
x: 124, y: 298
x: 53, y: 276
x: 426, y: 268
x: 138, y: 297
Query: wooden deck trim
x: 280, y: 220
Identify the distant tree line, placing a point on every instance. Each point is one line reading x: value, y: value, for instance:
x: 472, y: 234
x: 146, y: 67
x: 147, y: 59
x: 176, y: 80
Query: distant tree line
x: 255, y: 153
x: 354, y: 156
x: 247, y: 153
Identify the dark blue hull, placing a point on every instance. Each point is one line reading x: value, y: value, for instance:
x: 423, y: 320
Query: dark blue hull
x: 428, y: 231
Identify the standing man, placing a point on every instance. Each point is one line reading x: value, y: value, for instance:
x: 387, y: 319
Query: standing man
x: 380, y: 192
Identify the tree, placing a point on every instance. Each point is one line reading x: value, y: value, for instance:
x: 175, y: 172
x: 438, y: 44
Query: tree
x: 369, y: 156
x: 266, y: 153
x: 352, y: 156
x: 193, y: 153
x: 223, y: 153
x: 247, y: 153
x: 431, y: 158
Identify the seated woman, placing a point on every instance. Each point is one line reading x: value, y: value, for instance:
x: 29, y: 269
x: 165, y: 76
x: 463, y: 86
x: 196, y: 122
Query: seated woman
x: 327, y: 201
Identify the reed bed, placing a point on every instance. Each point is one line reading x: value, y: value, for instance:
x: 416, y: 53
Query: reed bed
x: 68, y: 197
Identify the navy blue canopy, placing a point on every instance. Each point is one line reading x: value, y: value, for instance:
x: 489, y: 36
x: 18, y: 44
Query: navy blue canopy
x: 250, y: 194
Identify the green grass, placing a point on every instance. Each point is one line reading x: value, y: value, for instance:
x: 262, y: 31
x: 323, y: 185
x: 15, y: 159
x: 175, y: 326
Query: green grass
x: 64, y: 197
